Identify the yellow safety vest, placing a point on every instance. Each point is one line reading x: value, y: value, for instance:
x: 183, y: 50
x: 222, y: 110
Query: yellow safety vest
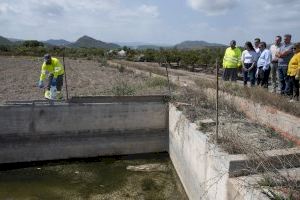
x: 232, y: 58
x: 54, y: 68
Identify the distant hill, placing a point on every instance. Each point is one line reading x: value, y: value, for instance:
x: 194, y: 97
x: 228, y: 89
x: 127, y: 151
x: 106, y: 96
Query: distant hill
x: 60, y: 42
x: 87, y: 41
x: 196, y: 45
x: 5, y: 41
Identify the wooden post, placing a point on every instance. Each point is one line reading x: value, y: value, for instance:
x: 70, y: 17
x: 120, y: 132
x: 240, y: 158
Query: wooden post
x: 168, y: 80
x: 66, y: 83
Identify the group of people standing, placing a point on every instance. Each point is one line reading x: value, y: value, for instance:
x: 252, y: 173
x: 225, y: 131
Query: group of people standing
x: 281, y: 60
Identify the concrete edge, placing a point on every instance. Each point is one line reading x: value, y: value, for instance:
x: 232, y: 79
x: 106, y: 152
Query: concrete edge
x: 241, y: 165
x: 96, y: 99
x: 247, y: 187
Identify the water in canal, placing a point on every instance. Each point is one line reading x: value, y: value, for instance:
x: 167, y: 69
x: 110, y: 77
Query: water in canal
x: 127, y: 177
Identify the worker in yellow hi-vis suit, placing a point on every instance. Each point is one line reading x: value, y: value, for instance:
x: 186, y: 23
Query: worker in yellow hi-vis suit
x: 55, y: 71
x: 231, y: 62
x: 293, y: 73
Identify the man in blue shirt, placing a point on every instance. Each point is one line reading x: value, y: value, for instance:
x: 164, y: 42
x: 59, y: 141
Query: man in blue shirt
x: 263, y: 65
x: 284, y: 56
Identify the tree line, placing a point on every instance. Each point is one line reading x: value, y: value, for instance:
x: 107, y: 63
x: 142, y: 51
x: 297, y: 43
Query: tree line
x: 36, y: 48
x: 176, y: 58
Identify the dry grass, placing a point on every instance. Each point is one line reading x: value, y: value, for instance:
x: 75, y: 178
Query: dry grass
x: 153, y: 67
x: 236, y: 133
x: 256, y: 94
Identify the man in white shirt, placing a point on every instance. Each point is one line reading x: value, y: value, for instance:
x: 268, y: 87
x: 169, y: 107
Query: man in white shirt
x: 275, y: 48
x: 263, y: 65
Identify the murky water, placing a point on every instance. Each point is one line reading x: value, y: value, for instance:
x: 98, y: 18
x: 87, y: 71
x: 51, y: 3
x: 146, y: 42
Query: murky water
x: 103, y: 178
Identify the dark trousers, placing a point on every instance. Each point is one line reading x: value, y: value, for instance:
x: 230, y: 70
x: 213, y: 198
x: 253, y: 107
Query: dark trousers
x: 263, y: 77
x: 249, y: 74
x: 230, y: 73
x: 293, y: 87
x: 282, y: 75
x: 59, y: 82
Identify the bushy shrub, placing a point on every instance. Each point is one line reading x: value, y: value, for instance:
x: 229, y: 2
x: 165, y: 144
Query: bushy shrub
x: 121, y: 88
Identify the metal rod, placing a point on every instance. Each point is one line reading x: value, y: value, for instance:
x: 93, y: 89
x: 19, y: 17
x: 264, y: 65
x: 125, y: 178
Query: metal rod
x: 66, y: 83
x: 217, y: 102
x: 168, y: 80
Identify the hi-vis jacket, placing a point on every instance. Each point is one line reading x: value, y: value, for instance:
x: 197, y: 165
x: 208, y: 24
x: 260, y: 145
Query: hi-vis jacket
x: 294, y: 65
x: 232, y: 58
x: 54, y: 68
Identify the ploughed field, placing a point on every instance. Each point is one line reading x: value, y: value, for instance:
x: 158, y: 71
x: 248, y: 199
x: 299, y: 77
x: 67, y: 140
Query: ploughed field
x: 19, y: 77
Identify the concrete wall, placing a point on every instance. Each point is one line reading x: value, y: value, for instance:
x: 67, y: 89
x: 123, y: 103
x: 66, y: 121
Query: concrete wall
x: 41, y: 131
x: 206, y: 171
x: 202, y: 167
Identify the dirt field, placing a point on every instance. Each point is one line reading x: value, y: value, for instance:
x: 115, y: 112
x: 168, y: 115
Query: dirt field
x: 19, y: 77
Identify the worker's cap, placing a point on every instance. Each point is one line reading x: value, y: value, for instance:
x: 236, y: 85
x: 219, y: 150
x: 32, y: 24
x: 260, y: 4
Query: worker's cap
x: 47, y: 57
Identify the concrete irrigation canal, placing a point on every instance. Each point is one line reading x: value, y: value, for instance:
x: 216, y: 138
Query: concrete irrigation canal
x: 110, y: 130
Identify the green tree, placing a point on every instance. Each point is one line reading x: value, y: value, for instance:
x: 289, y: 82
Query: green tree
x: 32, y: 43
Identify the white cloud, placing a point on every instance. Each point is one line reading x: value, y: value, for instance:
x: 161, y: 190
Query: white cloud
x: 4, y: 8
x: 275, y: 15
x: 212, y: 7
x: 70, y: 19
x: 142, y: 20
x: 143, y: 11
x: 148, y: 10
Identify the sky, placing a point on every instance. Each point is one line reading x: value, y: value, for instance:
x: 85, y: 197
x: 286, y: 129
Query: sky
x: 151, y: 21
